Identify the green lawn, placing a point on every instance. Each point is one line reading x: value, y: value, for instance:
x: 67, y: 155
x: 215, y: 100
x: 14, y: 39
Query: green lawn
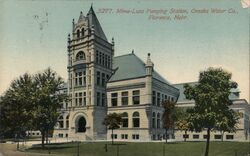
x: 147, y: 149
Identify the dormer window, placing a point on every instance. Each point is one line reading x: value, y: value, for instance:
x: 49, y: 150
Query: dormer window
x: 82, y: 32
x: 78, y: 33
x: 80, y: 56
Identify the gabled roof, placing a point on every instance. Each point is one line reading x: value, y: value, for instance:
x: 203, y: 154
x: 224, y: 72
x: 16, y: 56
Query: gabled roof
x: 93, y: 21
x: 129, y: 67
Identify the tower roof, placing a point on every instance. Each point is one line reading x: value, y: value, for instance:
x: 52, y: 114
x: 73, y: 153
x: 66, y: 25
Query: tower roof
x: 93, y: 21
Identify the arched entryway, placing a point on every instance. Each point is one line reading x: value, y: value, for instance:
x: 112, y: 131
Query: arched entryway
x: 81, y: 124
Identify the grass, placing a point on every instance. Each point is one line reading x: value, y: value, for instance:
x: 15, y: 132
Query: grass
x: 146, y: 149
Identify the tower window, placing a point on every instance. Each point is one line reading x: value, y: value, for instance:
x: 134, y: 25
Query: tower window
x: 154, y: 98
x: 78, y: 33
x: 76, y: 99
x: 82, y: 32
x: 103, y: 79
x: 80, y: 56
x: 80, y: 99
x: 158, y: 99
x: 98, y: 98
x: 109, y: 62
x: 103, y: 99
x: 106, y: 61
x: 97, y: 57
x: 84, y: 77
x: 98, y: 78
x: 153, y: 120
x: 158, y: 120
x: 84, y: 98
x: 103, y: 59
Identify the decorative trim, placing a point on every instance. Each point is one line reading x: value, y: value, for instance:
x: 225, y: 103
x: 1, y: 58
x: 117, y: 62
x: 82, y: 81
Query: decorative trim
x: 126, y: 87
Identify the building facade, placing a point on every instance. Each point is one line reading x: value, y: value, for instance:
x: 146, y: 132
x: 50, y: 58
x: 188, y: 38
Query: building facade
x: 100, y: 83
x: 239, y: 105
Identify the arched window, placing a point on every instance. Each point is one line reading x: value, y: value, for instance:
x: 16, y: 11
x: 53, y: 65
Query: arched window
x: 136, y: 119
x: 153, y: 120
x: 78, y: 33
x: 80, y: 56
x: 60, y: 121
x: 158, y: 120
x: 67, y: 121
x: 124, y: 119
x: 82, y: 32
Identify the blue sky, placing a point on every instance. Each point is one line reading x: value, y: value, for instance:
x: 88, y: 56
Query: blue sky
x: 179, y: 49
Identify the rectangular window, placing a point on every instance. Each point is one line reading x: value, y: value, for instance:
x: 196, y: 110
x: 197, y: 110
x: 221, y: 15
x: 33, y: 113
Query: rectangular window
x: 154, y: 98
x: 125, y: 121
x: 158, y: 99
x: 80, y: 78
x: 185, y: 136
x: 106, y: 60
x: 124, y: 136
x: 229, y: 137
x: 89, y: 77
x: 196, y: 136
x: 80, y: 99
x: 60, y: 135
x: 103, y: 79
x: 172, y: 99
x: 84, y: 78
x: 114, y: 99
x: 204, y: 136
x: 103, y: 99
x: 76, y: 79
x: 100, y: 58
x: 114, y: 136
x: 98, y: 80
x: 97, y: 57
x: 124, y: 98
x: 135, y: 137
x: 98, y: 98
x: 136, y: 97
x: 217, y: 136
x: 103, y: 59
x: 76, y: 99
x: 70, y: 81
x: 84, y: 98
x: 166, y: 98
x: 109, y: 62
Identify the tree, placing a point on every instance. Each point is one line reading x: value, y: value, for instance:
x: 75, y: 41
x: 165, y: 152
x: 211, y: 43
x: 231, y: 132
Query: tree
x: 227, y: 122
x: 182, y: 122
x: 169, y: 116
x: 48, y: 101
x: 17, y: 104
x: 113, y: 121
x: 211, y: 96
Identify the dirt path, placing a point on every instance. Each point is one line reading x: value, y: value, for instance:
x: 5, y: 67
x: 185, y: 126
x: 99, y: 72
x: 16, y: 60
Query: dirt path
x: 10, y: 150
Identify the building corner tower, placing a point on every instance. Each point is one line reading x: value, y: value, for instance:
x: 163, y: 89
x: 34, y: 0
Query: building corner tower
x: 89, y: 68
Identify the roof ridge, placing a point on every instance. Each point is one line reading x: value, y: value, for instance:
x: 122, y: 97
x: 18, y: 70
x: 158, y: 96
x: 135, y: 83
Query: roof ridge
x: 124, y: 55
